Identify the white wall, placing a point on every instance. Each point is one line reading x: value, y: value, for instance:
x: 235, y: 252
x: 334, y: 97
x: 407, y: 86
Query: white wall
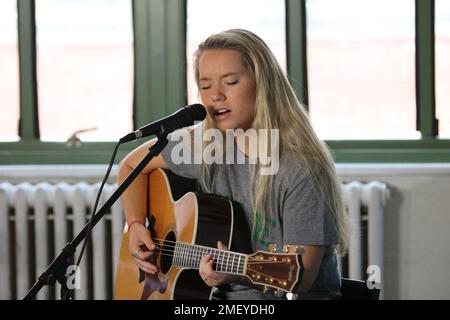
x: 417, y: 227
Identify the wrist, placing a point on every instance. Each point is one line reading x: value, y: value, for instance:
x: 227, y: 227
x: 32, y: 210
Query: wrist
x: 133, y: 222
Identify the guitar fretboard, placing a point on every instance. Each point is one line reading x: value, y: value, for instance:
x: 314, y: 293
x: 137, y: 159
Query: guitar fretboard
x: 188, y: 255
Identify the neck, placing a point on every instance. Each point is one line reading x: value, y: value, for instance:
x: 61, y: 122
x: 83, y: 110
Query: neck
x: 243, y: 143
x: 188, y: 255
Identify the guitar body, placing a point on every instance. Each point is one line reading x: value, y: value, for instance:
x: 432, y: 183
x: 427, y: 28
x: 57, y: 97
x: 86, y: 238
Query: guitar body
x: 176, y: 213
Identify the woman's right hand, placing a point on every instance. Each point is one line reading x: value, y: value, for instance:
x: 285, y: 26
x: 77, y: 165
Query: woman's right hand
x: 141, y: 247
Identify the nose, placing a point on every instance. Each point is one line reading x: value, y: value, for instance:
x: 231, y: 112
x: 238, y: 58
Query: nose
x: 217, y: 95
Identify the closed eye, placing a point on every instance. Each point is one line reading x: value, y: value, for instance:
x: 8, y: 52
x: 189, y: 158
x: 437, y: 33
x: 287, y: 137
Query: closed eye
x: 232, y: 83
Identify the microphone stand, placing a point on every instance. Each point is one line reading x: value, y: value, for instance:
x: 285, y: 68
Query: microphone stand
x: 56, y: 271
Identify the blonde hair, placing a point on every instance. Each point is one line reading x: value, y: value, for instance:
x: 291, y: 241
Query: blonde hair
x: 276, y: 106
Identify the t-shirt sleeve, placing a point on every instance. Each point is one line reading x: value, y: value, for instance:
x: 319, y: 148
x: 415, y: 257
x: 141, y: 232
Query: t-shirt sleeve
x: 306, y: 218
x: 179, y: 154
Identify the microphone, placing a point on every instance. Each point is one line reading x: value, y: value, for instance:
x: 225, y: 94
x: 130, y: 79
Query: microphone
x: 182, y: 118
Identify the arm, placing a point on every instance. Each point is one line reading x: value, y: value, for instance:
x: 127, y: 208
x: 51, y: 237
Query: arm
x: 311, y: 259
x: 134, y: 202
x: 307, y: 221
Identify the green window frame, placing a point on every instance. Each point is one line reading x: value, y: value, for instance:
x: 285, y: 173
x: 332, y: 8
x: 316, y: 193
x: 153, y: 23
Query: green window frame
x: 427, y: 149
x: 160, y: 87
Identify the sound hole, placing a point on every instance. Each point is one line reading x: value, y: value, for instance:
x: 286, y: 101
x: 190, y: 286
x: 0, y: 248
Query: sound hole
x: 167, y: 249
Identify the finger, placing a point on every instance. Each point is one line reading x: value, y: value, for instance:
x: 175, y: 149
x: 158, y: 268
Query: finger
x: 146, y: 270
x: 205, y: 258
x: 149, y: 243
x: 221, y: 246
x: 205, y: 269
x: 210, y: 266
x: 147, y: 266
x: 135, y: 252
x: 145, y: 255
x: 132, y: 248
x: 138, y: 247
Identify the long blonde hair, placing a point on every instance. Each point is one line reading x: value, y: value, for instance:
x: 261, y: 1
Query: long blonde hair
x: 277, y: 107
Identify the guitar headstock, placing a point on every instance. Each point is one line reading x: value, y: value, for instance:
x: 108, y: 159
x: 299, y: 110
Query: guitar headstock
x: 276, y: 271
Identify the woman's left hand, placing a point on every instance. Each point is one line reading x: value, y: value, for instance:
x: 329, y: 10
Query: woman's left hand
x: 209, y: 276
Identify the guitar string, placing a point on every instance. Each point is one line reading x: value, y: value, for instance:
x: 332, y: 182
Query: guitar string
x: 240, y: 270
x: 194, y: 260
x: 236, y: 266
x: 194, y: 246
x: 194, y: 250
x: 198, y: 254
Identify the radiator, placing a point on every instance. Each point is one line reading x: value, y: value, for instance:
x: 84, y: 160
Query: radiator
x: 37, y: 220
x: 365, y: 203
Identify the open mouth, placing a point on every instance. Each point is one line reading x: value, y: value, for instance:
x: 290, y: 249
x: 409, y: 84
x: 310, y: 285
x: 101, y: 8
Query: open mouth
x: 221, y: 112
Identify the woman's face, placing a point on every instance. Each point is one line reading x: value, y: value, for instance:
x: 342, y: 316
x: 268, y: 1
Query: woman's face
x: 227, y: 89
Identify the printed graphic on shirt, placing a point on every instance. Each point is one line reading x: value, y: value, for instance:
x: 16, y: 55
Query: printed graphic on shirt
x: 261, y: 233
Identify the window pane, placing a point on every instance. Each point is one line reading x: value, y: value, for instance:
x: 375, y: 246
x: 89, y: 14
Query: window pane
x: 85, y: 68
x: 265, y: 18
x: 9, y: 74
x: 361, y: 68
x: 442, y: 18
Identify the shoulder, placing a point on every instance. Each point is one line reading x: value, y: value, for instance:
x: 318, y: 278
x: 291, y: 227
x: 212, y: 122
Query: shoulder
x: 292, y: 170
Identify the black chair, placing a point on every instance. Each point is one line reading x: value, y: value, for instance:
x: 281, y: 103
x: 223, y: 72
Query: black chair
x: 357, y: 290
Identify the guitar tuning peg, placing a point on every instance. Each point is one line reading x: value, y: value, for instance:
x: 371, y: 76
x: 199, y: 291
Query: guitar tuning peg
x: 286, y: 248
x: 278, y: 293
x: 265, y: 289
x: 272, y: 247
x: 291, y: 296
x: 300, y: 250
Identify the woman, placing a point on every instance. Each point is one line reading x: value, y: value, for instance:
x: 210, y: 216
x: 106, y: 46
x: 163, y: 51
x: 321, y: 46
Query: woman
x: 243, y: 87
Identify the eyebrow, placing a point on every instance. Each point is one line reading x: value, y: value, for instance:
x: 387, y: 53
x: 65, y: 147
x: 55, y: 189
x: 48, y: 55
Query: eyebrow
x: 221, y: 77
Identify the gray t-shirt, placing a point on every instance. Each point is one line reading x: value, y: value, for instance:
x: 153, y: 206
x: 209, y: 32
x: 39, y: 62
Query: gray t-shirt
x: 301, y: 215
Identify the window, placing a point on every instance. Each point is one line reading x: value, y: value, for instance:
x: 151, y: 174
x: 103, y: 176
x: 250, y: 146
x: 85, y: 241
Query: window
x: 84, y: 68
x: 442, y: 66
x: 9, y: 75
x: 265, y: 18
x: 361, y: 68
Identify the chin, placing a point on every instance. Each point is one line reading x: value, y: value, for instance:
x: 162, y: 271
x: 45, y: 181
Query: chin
x: 223, y: 126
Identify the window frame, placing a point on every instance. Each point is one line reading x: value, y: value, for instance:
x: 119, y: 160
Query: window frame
x: 160, y: 81
x: 429, y: 148
x: 159, y: 31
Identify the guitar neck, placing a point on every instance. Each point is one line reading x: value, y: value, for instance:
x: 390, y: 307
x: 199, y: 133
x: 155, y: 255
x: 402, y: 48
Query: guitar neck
x: 188, y: 255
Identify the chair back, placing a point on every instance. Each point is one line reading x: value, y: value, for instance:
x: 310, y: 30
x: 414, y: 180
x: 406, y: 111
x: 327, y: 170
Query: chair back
x: 358, y: 290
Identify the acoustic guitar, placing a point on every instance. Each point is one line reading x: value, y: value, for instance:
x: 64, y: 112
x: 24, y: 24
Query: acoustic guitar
x: 186, y: 225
